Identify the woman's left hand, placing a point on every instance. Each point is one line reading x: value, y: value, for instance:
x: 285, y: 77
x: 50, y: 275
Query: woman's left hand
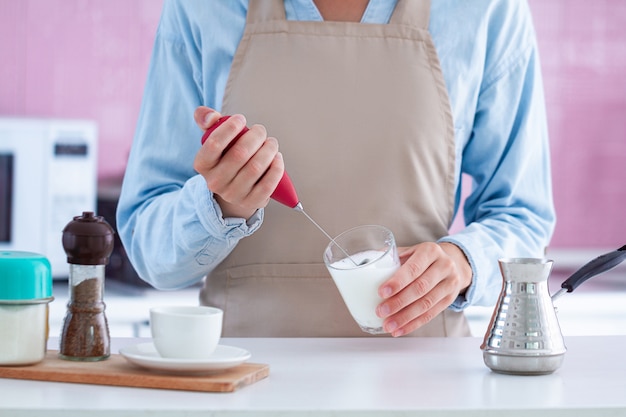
x: 431, y: 277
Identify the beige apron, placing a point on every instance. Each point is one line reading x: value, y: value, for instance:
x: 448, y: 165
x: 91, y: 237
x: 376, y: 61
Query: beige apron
x: 363, y: 120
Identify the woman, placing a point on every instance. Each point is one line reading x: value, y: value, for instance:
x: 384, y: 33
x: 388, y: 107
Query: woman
x: 378, y: 108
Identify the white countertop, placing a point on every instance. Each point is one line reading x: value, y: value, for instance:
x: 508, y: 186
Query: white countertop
x: 359, y: 377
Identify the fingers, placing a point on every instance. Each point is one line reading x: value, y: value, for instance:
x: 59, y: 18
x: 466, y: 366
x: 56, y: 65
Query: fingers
x: 426, y: 284
x: 399, y: 327
x: 251, y: 170
x: 205, y: 117
x: 242, y: 170
x: 211, y: 152
x: 265, y: 186
x: 415, y: 262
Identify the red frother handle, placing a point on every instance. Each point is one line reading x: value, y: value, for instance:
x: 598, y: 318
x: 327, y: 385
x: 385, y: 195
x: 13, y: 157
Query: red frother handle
x: 285, y: 192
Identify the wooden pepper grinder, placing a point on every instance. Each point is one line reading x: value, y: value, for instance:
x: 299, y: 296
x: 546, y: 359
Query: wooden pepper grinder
x: 88, y: 243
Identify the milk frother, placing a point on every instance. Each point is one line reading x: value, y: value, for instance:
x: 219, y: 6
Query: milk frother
x: 285, y: 192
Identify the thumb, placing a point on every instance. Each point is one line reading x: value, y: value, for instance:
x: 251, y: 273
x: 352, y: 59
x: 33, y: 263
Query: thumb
x: 205, y: 117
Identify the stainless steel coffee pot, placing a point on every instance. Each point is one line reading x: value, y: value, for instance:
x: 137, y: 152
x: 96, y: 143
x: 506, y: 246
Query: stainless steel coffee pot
x: 524, y: 337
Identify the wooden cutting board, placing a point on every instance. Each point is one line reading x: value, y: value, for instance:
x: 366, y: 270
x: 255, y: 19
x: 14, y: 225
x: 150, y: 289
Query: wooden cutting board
x: 119, y: 372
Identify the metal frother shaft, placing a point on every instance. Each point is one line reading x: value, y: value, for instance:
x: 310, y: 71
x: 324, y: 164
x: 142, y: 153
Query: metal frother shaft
x: 299, y: 208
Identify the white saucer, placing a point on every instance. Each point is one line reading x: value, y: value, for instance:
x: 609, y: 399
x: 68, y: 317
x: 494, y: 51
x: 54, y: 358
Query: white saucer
x: 146, y: 355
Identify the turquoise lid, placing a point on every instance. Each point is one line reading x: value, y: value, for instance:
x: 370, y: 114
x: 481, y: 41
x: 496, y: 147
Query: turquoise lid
x: 24, y: 276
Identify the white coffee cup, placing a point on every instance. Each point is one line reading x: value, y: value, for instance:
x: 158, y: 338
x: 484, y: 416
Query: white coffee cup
x: 186, y: 332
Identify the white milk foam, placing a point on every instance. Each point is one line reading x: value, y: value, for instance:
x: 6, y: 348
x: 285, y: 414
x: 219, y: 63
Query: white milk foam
x: 359, y: 285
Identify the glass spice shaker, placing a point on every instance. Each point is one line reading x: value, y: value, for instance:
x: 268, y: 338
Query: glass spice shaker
x: 88, y: 243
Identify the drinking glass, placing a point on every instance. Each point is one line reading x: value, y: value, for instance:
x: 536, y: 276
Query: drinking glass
x: 359, y: 261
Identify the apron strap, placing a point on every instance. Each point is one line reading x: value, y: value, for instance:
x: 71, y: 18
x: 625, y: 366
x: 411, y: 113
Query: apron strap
x: 414, y: 13
x: 265, y: 11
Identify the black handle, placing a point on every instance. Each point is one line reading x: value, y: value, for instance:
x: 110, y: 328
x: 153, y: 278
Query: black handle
x: 594, y: 267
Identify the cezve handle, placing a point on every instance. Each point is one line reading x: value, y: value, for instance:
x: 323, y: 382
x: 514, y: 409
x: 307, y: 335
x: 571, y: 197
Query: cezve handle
x: 285, y: 192
x: 594, y: 267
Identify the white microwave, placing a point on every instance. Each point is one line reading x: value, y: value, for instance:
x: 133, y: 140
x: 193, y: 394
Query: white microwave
x: 48, y: 175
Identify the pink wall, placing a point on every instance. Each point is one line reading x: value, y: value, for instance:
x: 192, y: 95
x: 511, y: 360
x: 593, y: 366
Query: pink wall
x: 583, y: 52
x: 88, y: 59
x: 78, y: 59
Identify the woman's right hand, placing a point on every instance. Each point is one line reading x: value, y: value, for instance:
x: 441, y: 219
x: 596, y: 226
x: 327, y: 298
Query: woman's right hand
x: 242, y: 179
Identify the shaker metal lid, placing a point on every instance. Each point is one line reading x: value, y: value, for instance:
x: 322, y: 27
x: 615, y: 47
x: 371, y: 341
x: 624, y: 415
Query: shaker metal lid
x: 24, y: 276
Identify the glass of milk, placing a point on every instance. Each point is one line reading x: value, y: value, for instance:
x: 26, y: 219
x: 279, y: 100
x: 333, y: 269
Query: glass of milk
x: 359, y: 261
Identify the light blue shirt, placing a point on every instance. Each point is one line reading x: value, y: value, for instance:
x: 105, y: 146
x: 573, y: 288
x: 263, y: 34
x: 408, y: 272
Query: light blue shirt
x: 168, y: 220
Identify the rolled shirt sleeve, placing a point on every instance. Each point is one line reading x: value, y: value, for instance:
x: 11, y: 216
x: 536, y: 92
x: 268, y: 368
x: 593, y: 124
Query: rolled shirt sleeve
x: 509, y: 211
